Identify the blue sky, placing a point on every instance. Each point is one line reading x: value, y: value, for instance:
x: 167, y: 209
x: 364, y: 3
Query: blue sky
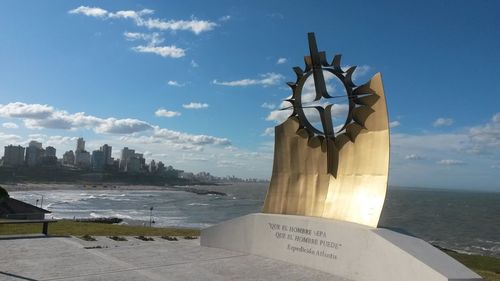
x: 194, y: 83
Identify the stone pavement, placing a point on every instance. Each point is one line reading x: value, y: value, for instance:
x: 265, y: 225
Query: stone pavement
x: 70, y: 258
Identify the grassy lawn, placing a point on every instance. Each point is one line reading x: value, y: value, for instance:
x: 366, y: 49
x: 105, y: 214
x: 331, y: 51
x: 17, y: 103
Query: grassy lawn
x: 66, y: 227
x: 487, y: 267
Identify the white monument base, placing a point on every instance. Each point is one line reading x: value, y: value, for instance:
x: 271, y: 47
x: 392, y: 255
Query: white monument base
x: 348, y: 250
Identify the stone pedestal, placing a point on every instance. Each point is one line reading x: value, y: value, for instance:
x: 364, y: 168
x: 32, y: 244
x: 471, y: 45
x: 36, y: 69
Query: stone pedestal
x: 344, y: 249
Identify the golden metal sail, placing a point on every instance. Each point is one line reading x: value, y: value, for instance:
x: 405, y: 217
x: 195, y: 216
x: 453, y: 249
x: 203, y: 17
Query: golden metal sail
x: 341, y: 177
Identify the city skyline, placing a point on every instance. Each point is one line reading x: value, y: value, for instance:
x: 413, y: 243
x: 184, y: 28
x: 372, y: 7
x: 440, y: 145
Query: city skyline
x: 200, y: 85
x: 23, y: 157
x: 37, y: 158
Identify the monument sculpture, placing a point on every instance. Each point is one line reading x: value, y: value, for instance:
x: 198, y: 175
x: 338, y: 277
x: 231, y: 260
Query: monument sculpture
x: 328, y: 188
x: 326, y: 173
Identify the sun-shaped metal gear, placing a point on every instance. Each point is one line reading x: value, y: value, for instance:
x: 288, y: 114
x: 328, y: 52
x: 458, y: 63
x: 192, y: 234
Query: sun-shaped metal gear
x: 315, y: 64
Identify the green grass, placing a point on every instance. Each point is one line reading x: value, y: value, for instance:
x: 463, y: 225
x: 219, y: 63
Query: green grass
x: 67, y: 227
x: 487, y: 267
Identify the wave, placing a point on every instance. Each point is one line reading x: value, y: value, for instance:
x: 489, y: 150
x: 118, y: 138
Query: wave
x: 198, y: 204
x: 121, y: 216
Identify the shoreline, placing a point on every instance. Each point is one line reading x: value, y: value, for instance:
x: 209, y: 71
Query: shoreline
x: 91, y: 186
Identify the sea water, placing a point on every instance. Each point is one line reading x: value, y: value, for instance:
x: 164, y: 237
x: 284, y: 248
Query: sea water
x: 464, y: 221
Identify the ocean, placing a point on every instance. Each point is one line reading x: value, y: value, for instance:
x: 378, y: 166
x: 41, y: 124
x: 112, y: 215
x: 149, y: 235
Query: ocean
x: 464, y: 221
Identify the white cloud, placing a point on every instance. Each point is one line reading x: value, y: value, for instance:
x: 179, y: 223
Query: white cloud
x: 195, y: 105
x: 166, y: 113
x: 361, y: 71
x: 394, y: 124
x: 188, y: 138
x: 90, y: 11
x: 37, y: 116
x: 139, y: 17
x: 10, y: 138
x: 339, y: 111
x: 10, y: 125
x: 194, y: 64
x: 175, y: 83
x: 268, y: 132
x: 487, y: 135
x: 440, y: 122
x: 428, y: 144
x: 23, y: 110
x: 152, y: 38
x: 225, y: 18
x: 122, y: 126
x: 413, y: 157
x: 279, y: 116
x: 281, y: 61
x: 60, y: 119
x: 164, y: 51
x: 132, y: 36
x: 193, y: 25
x: 451, y: 162
x: 60, y: 140
x: 265, y: 80
x: 268, y: 105
x: 129, y: 14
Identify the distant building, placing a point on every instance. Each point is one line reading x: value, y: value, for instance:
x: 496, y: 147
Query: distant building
x: 125, y: 158
x: 35, y: 144
x: 80, y: 144
x: 34, y: 153
x: 82, y: 159
x: 186, y: 175
x: 106, y: 149
x: 98, y: 160
x: 152, y: 167
x: 13, y: 156
x: 50, y: 151
x: 133, y: 165
x: 205, y: 176
x: 68, y: 158
x: 49, y: 157
x: 142, y: 160
x: 160, y: 168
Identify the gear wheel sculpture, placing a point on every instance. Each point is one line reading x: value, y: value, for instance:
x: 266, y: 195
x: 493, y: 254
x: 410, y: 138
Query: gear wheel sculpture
x: 340, y: 174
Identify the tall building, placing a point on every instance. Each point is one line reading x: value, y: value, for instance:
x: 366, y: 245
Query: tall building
x: 34, y: 153
x: 69, y: 158
x: 133, y: 165
x: 106, y: 149
x: 142, y: 160
x: 13, y: 156
x: 152, y: 167
x: 98, y: 160
x: 49, y: 156
x: 125, y: 158
x: 35, y: 144
x: 80, y: 144
x: 82, y: 157
x: 160, y: 167
x: 50, y: 151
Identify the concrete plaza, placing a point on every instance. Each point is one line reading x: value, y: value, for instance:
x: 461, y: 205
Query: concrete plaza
x: 70, y: 258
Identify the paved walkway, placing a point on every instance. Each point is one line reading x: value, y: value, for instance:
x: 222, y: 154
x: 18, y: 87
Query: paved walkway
x: 61, y: 258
